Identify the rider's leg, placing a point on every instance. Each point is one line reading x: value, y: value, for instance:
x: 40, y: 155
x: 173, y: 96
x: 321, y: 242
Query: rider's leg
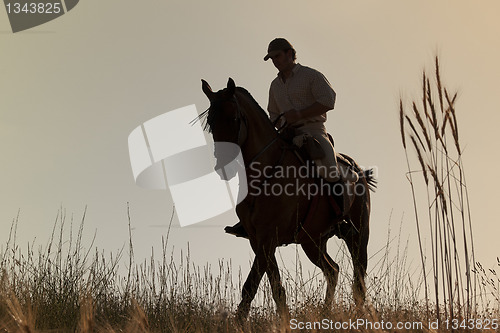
x: 328, y: 168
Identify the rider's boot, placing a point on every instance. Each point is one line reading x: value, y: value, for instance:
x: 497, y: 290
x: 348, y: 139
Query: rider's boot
x: 238, y: 230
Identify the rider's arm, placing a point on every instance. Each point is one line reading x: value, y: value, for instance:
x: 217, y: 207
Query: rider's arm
x: 324, y: 97
x: 316, y: 109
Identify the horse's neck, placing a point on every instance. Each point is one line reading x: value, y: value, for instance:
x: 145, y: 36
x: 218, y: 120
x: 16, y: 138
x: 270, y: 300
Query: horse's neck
x: 260, y: 144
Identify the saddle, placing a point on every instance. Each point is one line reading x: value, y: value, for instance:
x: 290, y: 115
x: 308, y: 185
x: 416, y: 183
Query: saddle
x: 308, y: 149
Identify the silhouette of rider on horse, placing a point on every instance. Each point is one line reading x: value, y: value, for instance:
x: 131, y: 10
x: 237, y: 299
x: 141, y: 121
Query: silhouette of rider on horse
x: 300, y: 97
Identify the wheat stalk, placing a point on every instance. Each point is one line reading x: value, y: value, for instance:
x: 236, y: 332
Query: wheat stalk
x: 448, y: 205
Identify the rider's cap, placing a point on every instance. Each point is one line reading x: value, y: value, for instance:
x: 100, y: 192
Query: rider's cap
x: 277, y: 45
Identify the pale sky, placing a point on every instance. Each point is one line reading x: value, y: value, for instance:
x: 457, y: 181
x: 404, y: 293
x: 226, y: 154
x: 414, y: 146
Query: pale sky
x: 73, y: 89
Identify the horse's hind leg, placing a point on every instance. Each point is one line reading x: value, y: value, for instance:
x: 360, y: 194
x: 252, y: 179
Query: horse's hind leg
x: 357, y: 243
x: 316, y: 252
x: 358, y: 250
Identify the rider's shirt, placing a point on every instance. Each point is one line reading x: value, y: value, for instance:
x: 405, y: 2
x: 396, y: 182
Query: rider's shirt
x: 302, y: 89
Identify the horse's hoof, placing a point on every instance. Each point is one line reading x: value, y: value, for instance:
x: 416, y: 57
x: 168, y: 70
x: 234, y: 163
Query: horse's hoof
x: 241, y: 315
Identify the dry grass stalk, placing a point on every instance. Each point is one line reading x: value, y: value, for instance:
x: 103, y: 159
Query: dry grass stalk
x: 421, y: 160
x: 402, y: 123
x: 448, y: 111
x: 448, y: 207
x: 454, y: 124
x: 86, y: 323
x: 138, y: 322
x: 422, y: 125
x: 439, y: 187
x: 415, y: 133
x: 424, y: 95
x: 445, y: 120
x: 21, y: 321
x: 439, y: 87
x: 430, y: 101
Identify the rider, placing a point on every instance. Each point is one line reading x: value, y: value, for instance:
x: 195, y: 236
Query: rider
x: 302, y: 96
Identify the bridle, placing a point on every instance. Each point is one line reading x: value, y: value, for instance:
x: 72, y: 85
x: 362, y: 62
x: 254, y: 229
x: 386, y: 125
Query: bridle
x: 243, y: 123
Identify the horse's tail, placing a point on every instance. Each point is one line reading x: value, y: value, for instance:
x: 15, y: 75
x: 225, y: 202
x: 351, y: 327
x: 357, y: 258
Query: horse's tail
x: 370, y: 179
x: 367, y: 174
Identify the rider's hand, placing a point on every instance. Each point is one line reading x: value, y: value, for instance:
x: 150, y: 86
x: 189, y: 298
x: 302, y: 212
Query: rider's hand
x: 292, y: 116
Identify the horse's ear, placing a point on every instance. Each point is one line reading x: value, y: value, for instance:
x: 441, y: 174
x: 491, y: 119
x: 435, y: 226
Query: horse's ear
x: 231, y: 86
x: 207, y: 90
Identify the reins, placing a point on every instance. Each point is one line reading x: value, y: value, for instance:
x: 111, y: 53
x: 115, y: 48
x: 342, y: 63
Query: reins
x: 272, y: 141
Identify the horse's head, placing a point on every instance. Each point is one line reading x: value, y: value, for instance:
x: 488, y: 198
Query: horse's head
x: 227, y: 125
x: 224, y: 118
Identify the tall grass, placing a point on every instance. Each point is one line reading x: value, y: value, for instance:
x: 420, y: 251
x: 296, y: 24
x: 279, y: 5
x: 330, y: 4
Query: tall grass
x: 70, y: 287
x: 432, y: 128
x: 67, y: 287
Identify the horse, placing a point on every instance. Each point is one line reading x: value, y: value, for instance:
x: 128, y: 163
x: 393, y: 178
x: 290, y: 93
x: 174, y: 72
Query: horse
x: 276, y: 220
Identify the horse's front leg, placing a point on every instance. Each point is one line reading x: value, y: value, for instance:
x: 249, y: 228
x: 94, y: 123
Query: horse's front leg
x: 250, y: 288
x: 277, y: 288
x: 264, y: 262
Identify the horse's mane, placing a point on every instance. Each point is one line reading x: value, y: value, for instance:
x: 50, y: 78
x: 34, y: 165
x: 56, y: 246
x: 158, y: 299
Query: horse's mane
x: 256, y: 105
x: 209, y: 117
